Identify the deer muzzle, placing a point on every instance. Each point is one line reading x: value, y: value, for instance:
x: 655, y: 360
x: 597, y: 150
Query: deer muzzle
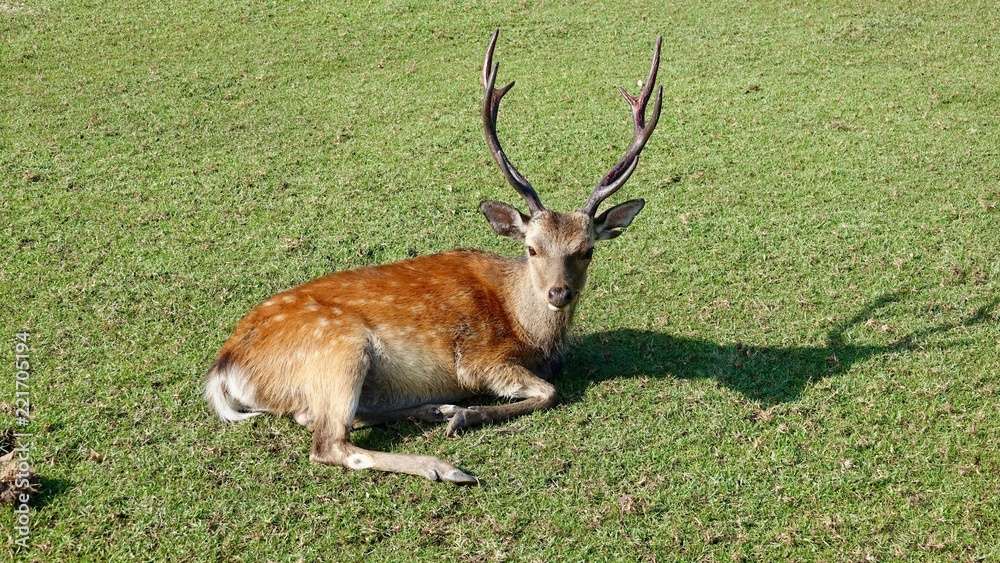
x: 559, y: 297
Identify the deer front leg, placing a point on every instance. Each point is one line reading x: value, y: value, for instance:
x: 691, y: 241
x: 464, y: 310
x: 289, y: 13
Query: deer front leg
x: 510, y: 381
x: 424, y: 413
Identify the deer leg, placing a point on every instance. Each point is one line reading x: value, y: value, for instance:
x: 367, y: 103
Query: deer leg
x: 424, y: 413
x: 511, y: 381
x: 333, y: 409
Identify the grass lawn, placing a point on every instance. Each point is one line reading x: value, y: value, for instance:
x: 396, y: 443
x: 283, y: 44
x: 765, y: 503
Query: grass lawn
x: 792, y: 354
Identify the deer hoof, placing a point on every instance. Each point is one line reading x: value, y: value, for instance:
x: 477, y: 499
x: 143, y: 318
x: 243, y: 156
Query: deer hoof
x: 464, y: 418
x: 459, y: 477
x: 446, y: 410
x: 452, y: 475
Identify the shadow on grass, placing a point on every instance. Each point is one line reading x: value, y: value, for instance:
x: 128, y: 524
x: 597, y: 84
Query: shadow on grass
x: 389, y: 436
x: 48, y: 490
x: 766, y: 374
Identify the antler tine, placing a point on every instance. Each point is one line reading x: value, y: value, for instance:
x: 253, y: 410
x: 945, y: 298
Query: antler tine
x: 620, y: 172
x: 491, y: 107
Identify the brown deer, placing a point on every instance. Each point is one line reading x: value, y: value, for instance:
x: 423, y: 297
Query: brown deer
x: 409, y: 339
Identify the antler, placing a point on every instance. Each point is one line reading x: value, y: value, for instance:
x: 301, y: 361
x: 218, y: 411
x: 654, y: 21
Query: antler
x: 491, y: 105
x: 621, y: 171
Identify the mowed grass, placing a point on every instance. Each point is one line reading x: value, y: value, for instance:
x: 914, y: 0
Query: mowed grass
x: 792, y: 353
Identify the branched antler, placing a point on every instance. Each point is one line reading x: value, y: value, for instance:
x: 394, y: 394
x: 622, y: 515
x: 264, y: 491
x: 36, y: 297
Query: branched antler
x: 620, y: 172
x: 491, y: 105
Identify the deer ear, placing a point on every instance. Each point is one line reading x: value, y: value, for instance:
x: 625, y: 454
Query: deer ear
x: 505, y: 219
x: 612, y: 222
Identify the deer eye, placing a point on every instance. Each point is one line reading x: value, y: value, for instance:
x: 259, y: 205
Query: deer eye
x: 531, y: 251
x: 589, y: 253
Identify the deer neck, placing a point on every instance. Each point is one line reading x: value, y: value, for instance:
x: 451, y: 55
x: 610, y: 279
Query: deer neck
x: 543, y: 328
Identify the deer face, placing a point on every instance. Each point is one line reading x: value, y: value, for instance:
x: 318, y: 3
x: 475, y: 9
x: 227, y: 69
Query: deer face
x: 559, y: 246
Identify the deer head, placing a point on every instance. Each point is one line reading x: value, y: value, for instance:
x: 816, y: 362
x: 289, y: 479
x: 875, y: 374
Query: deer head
x: 560, y: 246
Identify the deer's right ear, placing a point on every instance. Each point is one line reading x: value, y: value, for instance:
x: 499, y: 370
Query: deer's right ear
x: 505, y: 219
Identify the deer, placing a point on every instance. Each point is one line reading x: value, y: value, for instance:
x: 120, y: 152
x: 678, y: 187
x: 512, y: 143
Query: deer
x: 412, y: 339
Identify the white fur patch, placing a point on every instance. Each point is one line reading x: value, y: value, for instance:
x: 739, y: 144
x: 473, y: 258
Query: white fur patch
x: 360, y: 461
x: 231, y: 395
x: 304, y: 418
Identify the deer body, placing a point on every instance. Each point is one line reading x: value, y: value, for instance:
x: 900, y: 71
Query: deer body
x: 427, y: 327
x: 409, y: 339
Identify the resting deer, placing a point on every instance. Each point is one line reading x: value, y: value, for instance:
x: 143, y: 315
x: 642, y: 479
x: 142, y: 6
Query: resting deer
x: 410, y: 339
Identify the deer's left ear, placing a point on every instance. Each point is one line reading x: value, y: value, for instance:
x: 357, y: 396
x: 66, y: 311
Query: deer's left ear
x: 612, y: 222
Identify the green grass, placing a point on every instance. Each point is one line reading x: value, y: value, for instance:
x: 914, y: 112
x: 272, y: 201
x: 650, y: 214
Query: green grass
x: 792, y: 354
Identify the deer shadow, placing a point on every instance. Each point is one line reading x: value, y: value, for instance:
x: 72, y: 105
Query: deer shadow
x: 765, y: 374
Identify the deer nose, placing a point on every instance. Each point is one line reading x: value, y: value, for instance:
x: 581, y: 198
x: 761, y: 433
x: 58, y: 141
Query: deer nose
x: 559, y: 297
